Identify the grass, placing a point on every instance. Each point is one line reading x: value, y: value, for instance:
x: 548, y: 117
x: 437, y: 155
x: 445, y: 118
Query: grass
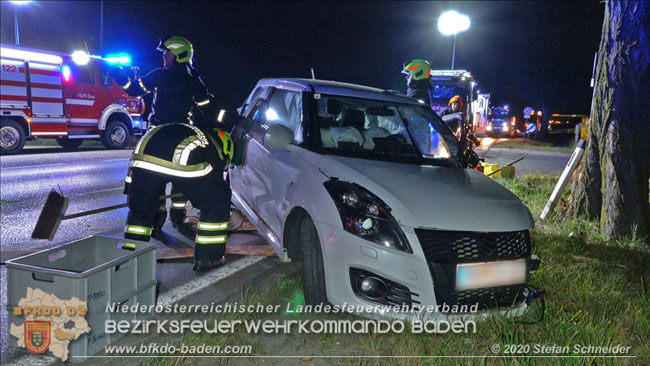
x: 525, y: 144
x: 597, y: 293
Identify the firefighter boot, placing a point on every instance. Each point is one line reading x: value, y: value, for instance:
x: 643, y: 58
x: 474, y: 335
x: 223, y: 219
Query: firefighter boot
x: 206, y: 265
x: 158, y: 223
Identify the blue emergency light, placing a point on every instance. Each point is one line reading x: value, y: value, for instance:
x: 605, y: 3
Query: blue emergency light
x: 118, y: 59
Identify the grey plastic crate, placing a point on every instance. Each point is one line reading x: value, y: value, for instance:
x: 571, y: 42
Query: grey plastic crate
x: 98, y: 270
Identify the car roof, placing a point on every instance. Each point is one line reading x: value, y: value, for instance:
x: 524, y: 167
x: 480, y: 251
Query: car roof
x: 336, y: 88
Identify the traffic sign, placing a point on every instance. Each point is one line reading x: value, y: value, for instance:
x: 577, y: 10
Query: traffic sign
x: 531, y: 128
x: 528, y: 111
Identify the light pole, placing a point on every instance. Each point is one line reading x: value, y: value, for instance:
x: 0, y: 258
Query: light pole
x: 16, y: 33
x: 451, y: 22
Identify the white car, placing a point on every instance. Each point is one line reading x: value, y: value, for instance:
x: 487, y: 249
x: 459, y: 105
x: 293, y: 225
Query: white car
x: 365, y: 186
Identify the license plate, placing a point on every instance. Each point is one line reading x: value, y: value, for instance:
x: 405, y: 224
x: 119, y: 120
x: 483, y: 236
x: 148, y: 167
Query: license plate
x: 490, y: 274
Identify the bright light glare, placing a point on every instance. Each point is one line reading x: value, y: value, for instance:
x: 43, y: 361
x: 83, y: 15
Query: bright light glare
x: 451, y: 22
x: 31, y: 56
x: 66, y: 72
x: 80, y: 57
x: 19, y: 2
x: 120, y: 59
x: 271, y: 115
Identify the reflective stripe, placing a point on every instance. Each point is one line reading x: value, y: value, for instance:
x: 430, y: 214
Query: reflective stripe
x: 180, y: 147
x: 209, y: 226
x: 140, y: 230
x: 185, y: 155
x: 170, y: 171
x: 203, y: 102
x: 127, y: 85
x: 142, y: 86
x: 128, y: 179
x: 179, y: 205
x: 216, y: 146
x: 144, y: 140
x: 200, y: 239
x: 167, y: 164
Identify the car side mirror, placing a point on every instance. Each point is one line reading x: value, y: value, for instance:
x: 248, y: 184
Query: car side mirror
x: 278, y: 137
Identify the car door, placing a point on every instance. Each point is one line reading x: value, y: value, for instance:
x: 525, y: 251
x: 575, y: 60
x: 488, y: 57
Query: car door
x: 240, y: 175
x: 270, y: 172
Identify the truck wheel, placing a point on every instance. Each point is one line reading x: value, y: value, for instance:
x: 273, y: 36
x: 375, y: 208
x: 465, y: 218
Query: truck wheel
x: 12, y: 137
x: 69, y: 144
x: 116, y: 135
x: 313, y: 273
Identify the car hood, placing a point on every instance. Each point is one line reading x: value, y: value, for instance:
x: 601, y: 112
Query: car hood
x: 435, y: 197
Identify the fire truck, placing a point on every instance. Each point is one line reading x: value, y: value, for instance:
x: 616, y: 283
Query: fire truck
x: 72, y: 99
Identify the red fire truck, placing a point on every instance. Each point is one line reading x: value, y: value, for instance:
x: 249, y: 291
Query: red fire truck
x: 52, y: 95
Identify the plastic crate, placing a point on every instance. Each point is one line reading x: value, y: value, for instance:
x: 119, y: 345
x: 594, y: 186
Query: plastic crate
x: 98, y: 270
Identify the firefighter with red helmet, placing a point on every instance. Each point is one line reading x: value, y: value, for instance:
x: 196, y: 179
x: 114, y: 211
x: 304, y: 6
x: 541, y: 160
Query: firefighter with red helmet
x: 456, y: 105
x: 418, y: 74
x: 177, y: 89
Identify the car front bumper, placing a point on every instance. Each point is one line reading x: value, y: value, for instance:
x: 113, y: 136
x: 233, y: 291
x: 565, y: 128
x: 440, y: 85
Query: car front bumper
x: 343, y: 251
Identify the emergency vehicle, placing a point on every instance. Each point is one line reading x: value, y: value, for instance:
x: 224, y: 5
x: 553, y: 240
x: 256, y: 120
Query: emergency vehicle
x: 447, y: 83
x: 70, y: 98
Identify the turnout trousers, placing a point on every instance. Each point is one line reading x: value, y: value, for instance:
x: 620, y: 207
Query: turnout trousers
x: 208, y: 193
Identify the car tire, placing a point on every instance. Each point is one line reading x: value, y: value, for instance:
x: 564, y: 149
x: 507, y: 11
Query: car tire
x: 12, y: 137
x: 116, y: 135
x: 313, y: 272
x: 69, y: 144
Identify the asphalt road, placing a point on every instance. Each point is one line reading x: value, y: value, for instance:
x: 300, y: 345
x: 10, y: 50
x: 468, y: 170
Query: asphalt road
x: 534, y: 161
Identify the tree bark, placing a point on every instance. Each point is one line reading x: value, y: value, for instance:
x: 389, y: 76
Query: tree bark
x: 613, y: 184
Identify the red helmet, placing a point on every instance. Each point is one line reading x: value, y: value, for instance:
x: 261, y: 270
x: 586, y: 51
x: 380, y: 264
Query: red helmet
x: 457, y: 99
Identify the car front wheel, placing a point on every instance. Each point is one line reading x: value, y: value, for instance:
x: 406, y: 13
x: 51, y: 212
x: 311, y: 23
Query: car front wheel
x: 313, y: 272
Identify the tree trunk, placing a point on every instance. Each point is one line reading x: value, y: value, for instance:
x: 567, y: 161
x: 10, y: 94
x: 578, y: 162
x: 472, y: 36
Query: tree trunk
x: 613, y: 183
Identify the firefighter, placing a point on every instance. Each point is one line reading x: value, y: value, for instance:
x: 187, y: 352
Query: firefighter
x: 418, y: 74
x: 177, y: 88
x: 193, y: 160
x: 455, y: 105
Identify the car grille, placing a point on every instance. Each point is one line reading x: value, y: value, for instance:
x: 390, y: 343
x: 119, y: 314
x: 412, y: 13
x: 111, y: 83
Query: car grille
x: 466, y: 246
x: 443, y: 250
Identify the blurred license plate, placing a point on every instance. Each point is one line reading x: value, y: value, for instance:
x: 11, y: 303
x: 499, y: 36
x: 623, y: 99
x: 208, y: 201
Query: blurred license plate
x: 490, y: 274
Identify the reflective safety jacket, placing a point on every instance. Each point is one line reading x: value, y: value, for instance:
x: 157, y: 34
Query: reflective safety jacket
x: 176, y: 90
x: 182, y: 150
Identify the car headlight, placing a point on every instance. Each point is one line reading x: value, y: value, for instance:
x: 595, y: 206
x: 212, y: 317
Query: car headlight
x: 505, y: 126
x: 488, y: 128
x: 365, y: 215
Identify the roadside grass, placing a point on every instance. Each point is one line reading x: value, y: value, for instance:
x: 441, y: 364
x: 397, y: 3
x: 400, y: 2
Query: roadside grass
x: 597, y: 293
x: 526, y: 144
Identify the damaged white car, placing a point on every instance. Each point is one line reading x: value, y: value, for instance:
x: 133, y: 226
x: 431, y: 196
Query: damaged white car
x: 367, y: 188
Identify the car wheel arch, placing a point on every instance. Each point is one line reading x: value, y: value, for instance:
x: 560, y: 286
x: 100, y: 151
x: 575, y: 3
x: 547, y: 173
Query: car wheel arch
x: 291, y: 233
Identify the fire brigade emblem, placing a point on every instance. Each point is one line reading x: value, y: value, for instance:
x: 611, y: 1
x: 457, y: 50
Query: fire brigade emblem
x: 37, y: 336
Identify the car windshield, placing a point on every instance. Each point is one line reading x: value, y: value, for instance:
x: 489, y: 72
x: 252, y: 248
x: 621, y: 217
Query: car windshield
x: 381, y: 130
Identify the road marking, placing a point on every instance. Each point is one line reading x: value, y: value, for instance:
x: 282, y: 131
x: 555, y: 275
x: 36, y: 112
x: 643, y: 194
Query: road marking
x: 178, y: 293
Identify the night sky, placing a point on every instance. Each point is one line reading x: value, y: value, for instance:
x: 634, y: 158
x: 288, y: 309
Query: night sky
x: 523, y: 53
